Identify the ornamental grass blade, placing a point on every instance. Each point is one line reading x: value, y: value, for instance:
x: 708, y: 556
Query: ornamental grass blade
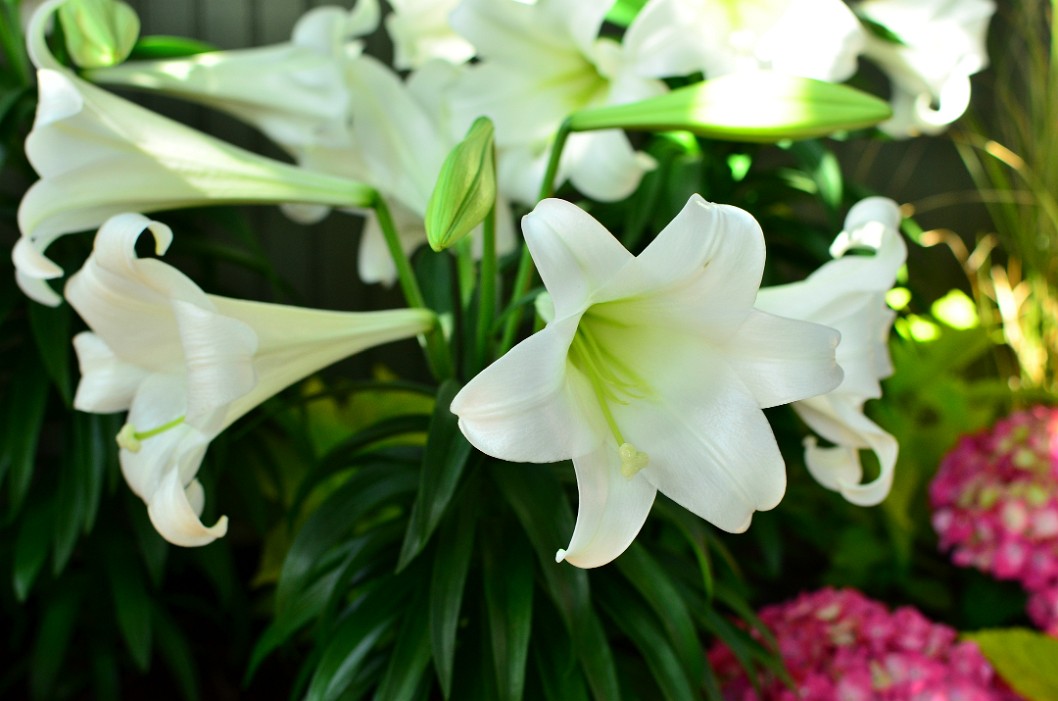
x: 760, y: 106
x: 444, y: 460
x: 508, y: 585
x: 455, y: 545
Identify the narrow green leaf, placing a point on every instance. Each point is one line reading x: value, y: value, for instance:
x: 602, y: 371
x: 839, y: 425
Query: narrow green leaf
x: 132, y: 602
x: 661, y: 595
x: 334, y: 520
x: 760, y: 106
x: 455, y: 545
x: 1026, y: 659
x: 51, y: 332
x: 596, y: 659
x: 559, y: 679
x: 632, y: 618
x: 371, y: 616
x: 444, y: 460
x: 106, y: 682
x: 31, y: 548
x: 508, y: 584
x: 71, y: 493
x: 821, y: 163
x: 176, y: 653
x: 25, y: 415
x: 411, y: 654
x: 53, y: 640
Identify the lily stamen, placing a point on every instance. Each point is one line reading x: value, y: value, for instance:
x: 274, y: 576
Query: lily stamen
x: 132, y: 440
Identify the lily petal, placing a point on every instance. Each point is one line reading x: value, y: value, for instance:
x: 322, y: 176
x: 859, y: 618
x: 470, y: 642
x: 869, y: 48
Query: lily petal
x: 108, y: 383
x: 174, y: 511
x: 611, y: 511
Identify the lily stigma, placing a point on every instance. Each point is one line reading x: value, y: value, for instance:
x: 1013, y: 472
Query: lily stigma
x: 131, y: 439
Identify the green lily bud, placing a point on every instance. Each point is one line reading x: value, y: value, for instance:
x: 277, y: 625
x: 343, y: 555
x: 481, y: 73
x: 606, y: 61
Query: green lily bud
x: 760, y: 106
x: 99, y: 33
x: 465, y: 190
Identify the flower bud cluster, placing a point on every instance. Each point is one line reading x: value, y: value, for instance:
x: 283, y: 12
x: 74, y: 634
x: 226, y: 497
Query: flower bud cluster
x: 995, y: 506
x: 839, y: 644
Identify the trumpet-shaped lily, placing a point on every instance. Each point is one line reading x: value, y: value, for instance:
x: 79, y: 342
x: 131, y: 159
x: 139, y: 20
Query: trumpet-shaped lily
x: 186, y: 364
x: 848, y: 294
x: 540, y: 63
x: 806, y: 38
x: 98, y: 155
x: 421, y: 33
x: 941, y: 44
x: 294, y: 92
x: 651, y: 375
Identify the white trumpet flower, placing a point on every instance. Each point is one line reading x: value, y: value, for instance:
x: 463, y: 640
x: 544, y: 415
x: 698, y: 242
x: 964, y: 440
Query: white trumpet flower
x: 99, y: 154
x: 651, y: 374
x: 186, y: 364
x: 848, y: 294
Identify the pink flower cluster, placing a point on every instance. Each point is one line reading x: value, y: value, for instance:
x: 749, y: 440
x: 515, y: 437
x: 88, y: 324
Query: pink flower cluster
x: 838, y: 645
x: 995, y: 505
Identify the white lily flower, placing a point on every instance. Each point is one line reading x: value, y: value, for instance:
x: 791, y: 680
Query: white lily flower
x: 943, y: 44
x: 187, y: 364
x: 651, y: 375
x: 98, y: 155
x: 540, y: 63
x: 806, y: 38
x: 421, y: 33
x: 848, y: 294
x: 294, y: 92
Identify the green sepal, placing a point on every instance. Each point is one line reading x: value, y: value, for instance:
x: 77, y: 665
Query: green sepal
x: 99, y: 33
x: 761, y: 106
x: 465, y: 190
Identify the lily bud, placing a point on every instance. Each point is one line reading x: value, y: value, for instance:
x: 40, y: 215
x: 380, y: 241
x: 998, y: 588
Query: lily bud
x: 99, y: 32
x: 465, y: 190
x: 759, y: 106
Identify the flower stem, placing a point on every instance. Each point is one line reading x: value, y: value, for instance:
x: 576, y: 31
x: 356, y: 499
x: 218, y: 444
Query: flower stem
x: 487, y: 290
x: 437, y: 351
x: 524, y: 278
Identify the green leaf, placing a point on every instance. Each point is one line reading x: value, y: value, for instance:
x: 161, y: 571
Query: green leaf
x: 371, y: 616
x: 624, y: 11
x: 760, y: 106
x: 25, y: 414
x: 661, y: 595
x: 466, y: 188
x: 333, y: 521
x: 444, y: 460
x: 559, y: 679
x: 455, y: 545
x: 1024, y: 658
x: 175, y: 651
x: 31, y: 548
x: 53, y: 640
x: 71, y: 492
x: 508, y: 584
x: 410, y: 656
x: 632, y: 618
x: 132, y: 602
x: 821, y: 163
x: 51, y: 331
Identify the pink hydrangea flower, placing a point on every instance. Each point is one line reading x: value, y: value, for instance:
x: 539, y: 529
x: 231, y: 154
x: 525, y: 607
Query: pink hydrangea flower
x: 839, y: 645
x: 995, y: 504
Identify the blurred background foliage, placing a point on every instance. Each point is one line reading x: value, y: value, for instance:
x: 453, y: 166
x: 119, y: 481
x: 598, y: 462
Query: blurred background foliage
x: 372, y: 552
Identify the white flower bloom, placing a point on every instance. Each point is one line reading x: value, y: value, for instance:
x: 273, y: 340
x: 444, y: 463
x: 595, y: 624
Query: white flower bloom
x: 943, y: 45
x: 294, y: 92
x: 848, y: 294
x: 98, y: 154
x: 651, y: 375
x: 420, y: 32
x: 806, y: 38
x: 187, y: 364
x: 541, y: 62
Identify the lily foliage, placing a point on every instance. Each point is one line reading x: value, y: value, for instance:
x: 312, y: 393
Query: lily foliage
x: 631, y: 327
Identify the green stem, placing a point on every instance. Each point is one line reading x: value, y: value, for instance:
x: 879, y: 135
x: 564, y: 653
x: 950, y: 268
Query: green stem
x: 487, y: 291
x: 437, y: 351
x: 524, y: 278
x: 465, y: 271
